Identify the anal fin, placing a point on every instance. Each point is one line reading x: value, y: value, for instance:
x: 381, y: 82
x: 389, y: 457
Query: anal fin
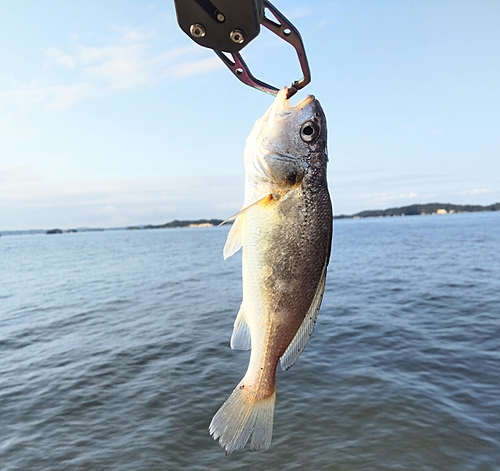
x: 302, y: 336
x: 241, y: 340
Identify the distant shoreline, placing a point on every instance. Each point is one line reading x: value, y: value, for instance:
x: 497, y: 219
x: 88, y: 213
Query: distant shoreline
x: 178, y: 223
x: 422, y: 210
x: 412, y: 210
x: 192, y: 223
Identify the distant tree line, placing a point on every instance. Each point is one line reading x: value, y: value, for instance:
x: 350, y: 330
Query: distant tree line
x: 418, y: 209
x: 177, y: 223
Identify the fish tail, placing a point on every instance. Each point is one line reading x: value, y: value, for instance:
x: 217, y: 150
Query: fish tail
x: 242, y: 416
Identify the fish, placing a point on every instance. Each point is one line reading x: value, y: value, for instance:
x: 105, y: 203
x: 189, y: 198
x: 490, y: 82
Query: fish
x: 285, y: 233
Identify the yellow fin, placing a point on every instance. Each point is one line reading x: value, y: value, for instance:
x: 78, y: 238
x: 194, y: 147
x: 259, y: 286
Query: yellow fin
x: 242, y: 417
x: 234, y: 240
x: 267, y: 199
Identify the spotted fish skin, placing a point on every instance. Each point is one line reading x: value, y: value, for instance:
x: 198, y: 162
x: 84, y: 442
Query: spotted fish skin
x: 285, y: 231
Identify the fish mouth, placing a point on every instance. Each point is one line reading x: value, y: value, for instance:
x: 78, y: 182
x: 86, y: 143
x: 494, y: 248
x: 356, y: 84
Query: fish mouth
x: 285, y: 104
x: 280, y: 111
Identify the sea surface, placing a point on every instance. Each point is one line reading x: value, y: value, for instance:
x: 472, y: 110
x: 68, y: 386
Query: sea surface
x: 114, y: 351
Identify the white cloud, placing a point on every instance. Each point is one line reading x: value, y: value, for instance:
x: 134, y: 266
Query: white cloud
x: 297, y: 12
x: 475, y: 191
x: 11, y: 117
x: 15, y: 177
x: 133, y: 34
x: 67, y: 95
x: 128, y: 65
x: 382, y: 198
x: 188, y: 69
x: 60, y: 58
x: 28, y: 200
x: 128, y: 60
x: 121, y: 66
x: 53, y: 97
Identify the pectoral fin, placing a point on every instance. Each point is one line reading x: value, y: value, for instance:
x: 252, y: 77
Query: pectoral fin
x: 235, y: 237
x: 302, y: 336
x: 234, y: 240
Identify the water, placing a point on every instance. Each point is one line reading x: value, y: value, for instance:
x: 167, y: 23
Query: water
x: 114, y: 351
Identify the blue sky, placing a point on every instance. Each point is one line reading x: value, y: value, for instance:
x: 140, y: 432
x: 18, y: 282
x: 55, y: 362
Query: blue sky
x: 111, y: 116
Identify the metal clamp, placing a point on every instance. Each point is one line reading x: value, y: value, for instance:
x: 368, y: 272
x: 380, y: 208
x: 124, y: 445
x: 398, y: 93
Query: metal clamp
x: 285, y: 30
x: 227, y: 26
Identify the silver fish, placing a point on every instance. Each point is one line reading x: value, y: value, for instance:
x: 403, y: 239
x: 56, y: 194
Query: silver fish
x: 285, y: 230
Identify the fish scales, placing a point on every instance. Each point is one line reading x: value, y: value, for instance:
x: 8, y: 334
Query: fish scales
x: 285, y: 230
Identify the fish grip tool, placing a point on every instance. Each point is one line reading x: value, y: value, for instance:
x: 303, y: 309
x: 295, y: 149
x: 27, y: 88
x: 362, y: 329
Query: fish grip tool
x: 227, y: 26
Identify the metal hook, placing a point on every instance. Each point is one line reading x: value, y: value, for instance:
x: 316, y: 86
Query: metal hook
x: 285, y: 30
x: 239, y: 68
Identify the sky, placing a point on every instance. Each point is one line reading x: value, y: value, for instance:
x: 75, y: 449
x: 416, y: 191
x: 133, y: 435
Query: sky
x: 111, y: 116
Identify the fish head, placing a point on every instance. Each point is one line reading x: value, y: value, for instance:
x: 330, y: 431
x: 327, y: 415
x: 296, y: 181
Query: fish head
x: 287, y: 143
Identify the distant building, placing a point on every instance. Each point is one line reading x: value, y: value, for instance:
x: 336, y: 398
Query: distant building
x: 441, y: 211
x: 202, y: 224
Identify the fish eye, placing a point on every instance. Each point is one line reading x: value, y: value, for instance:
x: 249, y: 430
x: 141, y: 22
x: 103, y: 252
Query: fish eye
x: 309, y: 131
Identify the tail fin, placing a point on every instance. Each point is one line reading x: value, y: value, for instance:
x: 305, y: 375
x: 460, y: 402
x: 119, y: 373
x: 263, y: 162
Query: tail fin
x: 242, y: 416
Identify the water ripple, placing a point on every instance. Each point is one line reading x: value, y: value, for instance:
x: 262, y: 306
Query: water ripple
x: 115, y: 351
